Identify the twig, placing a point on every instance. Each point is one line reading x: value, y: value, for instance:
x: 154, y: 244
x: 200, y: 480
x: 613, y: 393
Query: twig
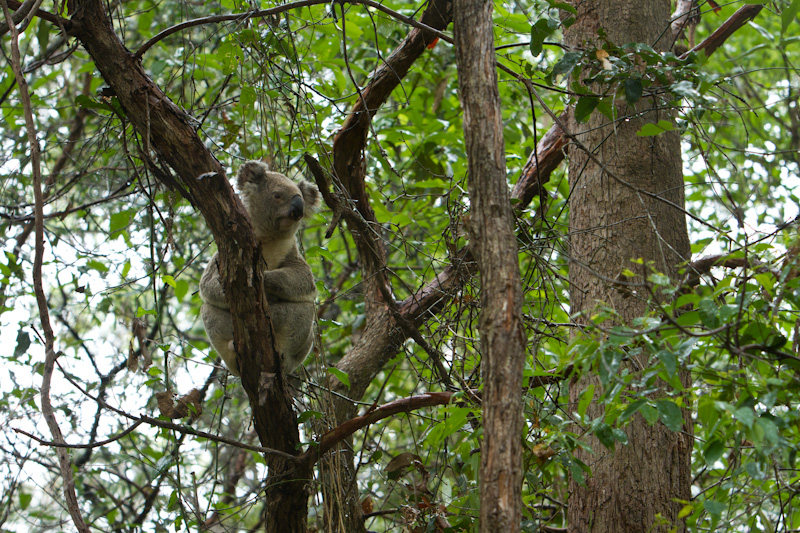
x: 741, y: 17
x: 168, y: 425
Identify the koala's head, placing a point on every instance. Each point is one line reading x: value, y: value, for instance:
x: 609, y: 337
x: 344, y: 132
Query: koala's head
x: 276, y: 204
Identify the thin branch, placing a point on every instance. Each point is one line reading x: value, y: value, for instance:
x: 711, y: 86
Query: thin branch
x: 44, y: 314
x: 341, y: 432
x: 162, y: 424
x: 741, y: 17
x: 280, y: 9
x: 90, y: 445
x: 24, y: 13
x: 55, y: 19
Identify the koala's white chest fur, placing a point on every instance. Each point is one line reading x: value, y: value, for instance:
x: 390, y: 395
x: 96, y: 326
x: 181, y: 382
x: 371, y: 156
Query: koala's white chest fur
x: 275, y: 252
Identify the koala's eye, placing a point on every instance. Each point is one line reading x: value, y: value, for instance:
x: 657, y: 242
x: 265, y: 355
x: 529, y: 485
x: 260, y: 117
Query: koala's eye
x: 277, y: 195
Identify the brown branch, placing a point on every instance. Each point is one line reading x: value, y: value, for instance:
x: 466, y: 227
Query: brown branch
x: 696, y: 269
x: 168, y: 131
x: 54, y: 444
x: 381, y: 338
x: 494, y: 245
x: 64, y: 463
x: 741, y: 17
x: 343, y: 431
x: 22, y: 12
x: 144, y: 419
x: 542, y: 162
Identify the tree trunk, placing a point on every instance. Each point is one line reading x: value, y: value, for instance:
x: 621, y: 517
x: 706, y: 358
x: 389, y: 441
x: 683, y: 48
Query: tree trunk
x: 612, y: 223
x: 494, y: 245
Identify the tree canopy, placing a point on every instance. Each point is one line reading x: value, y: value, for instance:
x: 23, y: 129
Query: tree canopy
x: 140, y: 111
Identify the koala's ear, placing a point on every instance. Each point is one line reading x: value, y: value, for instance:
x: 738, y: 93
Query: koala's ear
x: 251, y: 172
x: 311, y: 196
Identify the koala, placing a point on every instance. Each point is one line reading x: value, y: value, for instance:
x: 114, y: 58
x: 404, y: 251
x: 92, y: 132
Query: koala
x: 277, y: 207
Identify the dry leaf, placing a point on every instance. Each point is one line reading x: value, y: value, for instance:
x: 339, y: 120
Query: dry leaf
x: 602, y: 56
x: 184, y: 406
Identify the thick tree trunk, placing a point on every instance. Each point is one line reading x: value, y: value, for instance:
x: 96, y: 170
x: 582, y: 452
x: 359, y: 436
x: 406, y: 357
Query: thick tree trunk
x: 494, y: 245
x: 612, y: 223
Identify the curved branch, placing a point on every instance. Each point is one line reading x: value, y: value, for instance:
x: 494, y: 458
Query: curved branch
x: 277, y: 10
x: 341, y: 432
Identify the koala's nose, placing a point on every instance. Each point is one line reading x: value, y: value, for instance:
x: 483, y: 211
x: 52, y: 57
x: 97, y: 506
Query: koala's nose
x: 296, y: 208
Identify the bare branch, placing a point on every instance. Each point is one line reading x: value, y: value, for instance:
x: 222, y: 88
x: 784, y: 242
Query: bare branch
x: 64, y: 463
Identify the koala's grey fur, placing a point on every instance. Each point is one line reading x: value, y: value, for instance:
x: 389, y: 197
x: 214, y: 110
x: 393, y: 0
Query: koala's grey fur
x: 277, y: 207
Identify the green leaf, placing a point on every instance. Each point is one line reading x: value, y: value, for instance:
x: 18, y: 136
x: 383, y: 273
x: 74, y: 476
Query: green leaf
x: 90, y: 103
x: 670, y: 414
x: 649, y: 130
x: 25, y: 500
x: 23, y: 342
x: 181, y: 289
x: 564, y: 7
x: 713, y: 452
x: 96, y: 265
x: 745, y: 415
x: 305, y: 415
x: 620, y: 435
x: 708, y: 310
x: 632, y: 409
x: 319, y: 251
x: 539, y: 32
x: 789, y: 14
x: 431, y: 184
x: 567, y: 63
x: 669, y: 360
x: 340, y: 375
x: 714, y: 508
x: 604, y: 434
x: 633, y: 90
x: 43, y: 34
x: 145, y: 22
x: 586, y: 398
x: 118, y: 222
x: 584, y: 107
x: 169, y: 280
x: 248, y: 96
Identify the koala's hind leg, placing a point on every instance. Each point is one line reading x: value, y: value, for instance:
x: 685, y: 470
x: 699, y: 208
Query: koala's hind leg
x: 293, y: 323
x: 219, y: 329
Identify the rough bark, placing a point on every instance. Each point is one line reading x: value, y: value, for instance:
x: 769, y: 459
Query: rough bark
x: 166, y: 131
x: 612, y: 223
x: 493, y: 242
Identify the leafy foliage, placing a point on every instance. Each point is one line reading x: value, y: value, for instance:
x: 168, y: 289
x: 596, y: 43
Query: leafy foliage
x: 121, y: 246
